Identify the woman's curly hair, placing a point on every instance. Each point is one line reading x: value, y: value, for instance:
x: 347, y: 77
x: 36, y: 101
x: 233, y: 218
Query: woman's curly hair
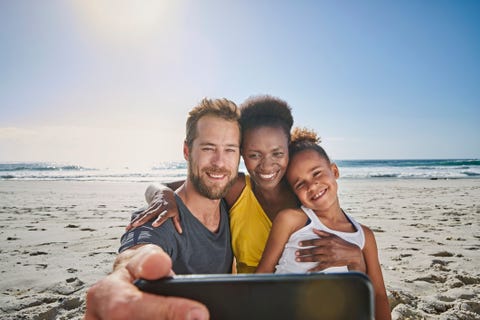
x: 265, y: 110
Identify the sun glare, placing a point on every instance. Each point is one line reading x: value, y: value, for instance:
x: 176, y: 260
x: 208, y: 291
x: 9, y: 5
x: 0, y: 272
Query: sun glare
x: 125, y: 20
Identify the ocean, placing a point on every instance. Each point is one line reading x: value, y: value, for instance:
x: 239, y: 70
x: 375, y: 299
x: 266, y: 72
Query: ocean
x: 173, y: 171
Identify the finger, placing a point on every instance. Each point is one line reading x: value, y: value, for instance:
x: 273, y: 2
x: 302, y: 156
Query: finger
x: 313, y: 251
x: 310, y: 258
x: 133, y: 222
x: 116, y: 297
x: 151, y: 306
x: 144, y: 217
x: 318, y: 267
x: 303, y: 252
x: 162, y: 217
x: 322, y: 233
x: 176, y: 222
x: 317, y: 241
x: 152, y: 209
x: 150, y: 262
x: 137, y: 218
x: 309, y: 243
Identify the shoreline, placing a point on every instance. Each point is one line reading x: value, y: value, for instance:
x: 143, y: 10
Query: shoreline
x: 60, y: 237
x: 151, y: 180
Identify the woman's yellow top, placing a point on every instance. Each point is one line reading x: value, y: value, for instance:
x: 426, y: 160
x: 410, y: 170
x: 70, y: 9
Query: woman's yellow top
x: 250, y: 227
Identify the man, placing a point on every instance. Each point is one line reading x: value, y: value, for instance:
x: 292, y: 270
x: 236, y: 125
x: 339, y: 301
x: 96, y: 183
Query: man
x: 212, y: 150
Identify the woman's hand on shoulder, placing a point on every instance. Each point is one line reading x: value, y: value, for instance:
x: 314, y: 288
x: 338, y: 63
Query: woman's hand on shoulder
x: 162, y: 206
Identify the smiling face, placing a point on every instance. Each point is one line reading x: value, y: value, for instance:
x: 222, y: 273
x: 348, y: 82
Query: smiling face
x: 214, y: 156
x: 265, y: 153
x: 314, y: 180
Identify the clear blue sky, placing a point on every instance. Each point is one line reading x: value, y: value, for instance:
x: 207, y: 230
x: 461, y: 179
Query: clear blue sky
x: 111, y: 82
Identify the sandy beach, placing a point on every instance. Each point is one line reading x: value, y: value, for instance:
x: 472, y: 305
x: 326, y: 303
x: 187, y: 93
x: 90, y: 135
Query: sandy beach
x: 59, y: 237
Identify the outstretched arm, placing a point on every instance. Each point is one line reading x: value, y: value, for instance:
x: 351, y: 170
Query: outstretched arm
x: 330, y: 250
x: 115, y: 296
x: 162, y: 206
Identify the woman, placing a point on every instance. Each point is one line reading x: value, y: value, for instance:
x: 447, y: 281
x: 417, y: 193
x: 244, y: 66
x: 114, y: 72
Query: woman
x: 255, y: 199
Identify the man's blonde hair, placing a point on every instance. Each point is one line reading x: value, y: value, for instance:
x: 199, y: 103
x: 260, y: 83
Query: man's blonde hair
x: 221, y: 108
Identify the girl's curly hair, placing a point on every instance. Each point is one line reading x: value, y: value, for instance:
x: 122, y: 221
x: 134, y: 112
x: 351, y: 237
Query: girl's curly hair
x: 306, y: 139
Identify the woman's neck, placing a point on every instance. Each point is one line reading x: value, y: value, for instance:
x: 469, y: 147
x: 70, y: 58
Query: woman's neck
x: 275, y: 199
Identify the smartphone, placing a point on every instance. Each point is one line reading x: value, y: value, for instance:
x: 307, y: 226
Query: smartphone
x: 303, y: 296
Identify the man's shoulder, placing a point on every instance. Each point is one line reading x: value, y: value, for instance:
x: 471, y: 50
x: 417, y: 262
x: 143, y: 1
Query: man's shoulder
x: 148, y: 234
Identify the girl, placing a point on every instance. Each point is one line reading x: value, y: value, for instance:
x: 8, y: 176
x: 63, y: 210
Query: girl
x: 312, y: 178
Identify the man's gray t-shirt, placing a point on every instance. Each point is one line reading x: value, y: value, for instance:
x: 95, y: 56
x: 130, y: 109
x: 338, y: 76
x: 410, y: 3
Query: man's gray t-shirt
x: 196, y: 251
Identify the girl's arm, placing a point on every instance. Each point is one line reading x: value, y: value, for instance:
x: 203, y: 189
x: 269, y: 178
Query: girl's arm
x: 374, y: 271
x: 283, y: 226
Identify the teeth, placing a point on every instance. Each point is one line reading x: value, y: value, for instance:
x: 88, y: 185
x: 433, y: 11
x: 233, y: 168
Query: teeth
x: 267, y: 176
x: 318, y: 195
x: 216, y: 176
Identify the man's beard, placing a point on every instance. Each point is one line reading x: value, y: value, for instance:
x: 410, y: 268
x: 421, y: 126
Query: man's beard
x: 211, y: 192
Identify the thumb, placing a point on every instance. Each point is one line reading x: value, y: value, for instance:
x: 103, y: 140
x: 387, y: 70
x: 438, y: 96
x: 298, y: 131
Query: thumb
x: 178, y: 226
x: 150, y: 262
x: 321, y: 233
